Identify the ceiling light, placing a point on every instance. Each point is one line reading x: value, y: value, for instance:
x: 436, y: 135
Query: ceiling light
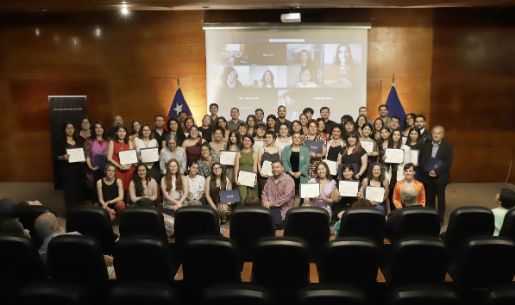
x: 124, y: 9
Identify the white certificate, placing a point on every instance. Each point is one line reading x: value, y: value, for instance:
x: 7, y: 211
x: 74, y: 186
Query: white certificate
x: 368, y: 146
x: 395, y: 156
x: 227, y: 157
x: 266, y: 169
x: 414, y: 156
x: 348, y: 188
x: 76, y: 155
x: 247, y: 178
x: 128, y: 157
x: 309, y: 190
x: 332, y: 166
x: 374, y: 193
x: 258, y: 144
x: 149, y: 155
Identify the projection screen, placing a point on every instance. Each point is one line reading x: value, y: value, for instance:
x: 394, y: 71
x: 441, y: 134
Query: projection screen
x: 298, y: 66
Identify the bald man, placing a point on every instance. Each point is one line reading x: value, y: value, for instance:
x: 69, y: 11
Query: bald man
x: 436, y: 161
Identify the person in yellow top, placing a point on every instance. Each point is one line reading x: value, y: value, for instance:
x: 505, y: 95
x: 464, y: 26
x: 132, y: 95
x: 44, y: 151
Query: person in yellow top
x: 404, y: 191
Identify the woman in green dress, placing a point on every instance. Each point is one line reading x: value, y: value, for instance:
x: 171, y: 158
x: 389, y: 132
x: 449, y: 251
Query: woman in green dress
x: 246, y: 160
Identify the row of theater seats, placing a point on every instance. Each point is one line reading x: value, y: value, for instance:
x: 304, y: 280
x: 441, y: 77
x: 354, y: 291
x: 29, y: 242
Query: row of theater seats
x: 144, y: 268
x: 249, y: 224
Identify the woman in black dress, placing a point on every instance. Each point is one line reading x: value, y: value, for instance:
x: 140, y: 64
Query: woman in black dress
x: 72, y: 175
x: 354, y: 155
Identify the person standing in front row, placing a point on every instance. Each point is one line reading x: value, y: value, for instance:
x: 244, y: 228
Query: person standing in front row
x: 279, y: 190
x: 246, y: 160
x: 436, y: 162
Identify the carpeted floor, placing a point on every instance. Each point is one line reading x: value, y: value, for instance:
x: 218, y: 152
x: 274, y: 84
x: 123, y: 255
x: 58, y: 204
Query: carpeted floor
x: 458, y: 194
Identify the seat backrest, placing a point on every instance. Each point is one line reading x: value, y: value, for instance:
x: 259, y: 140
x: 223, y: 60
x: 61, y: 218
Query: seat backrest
x: 502, y: 296
x: 143, y: 259
x: 27, y: 214
x: 466, y: 223
x: 363, y: 222
x: 413, y: 222
x: 350, y: 261
x: 417, y: 261
x: 311, y: 224
x: 236, y: 294
x: 508, y: 225
x: 209, y: 260
x: 249, y: 225
x: 331, y: 295
x: 193, y: 221
x: 425, y: 295
x: 141, y: 221
x: 142, y: 293
x: 19, y: 263
x: 92, y: 221
x: 281, y: 264
x: 484, y: 262
x: 77, y: 259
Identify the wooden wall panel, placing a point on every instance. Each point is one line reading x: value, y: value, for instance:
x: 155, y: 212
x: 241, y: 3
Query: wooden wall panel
x: 472, y: 89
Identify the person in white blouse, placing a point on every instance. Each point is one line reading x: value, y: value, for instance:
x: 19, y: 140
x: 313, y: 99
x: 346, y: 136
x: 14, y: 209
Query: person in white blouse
x: 146, y: 140
x: 196, y: 185
x: 172, y: 151
x: 174, y: 187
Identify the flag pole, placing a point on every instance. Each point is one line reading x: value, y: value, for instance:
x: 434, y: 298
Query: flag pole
x: 393, y: 79
x: 178, y: 81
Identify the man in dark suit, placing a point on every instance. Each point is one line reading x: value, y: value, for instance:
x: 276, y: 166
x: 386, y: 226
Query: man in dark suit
x: 420, y: 124
x: 436, y: 160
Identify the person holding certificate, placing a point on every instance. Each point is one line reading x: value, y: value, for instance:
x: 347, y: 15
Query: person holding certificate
x: 72, y: 174
x: 234, y: 144
x: 347, y: 174
x: 192, y: 145
x: 96, y: 151
x: 120, y: 143
x: 296, y: 161
x: 143, y: 186
x: 436, y: 161
x: 376, y: 178
x: 315, y: 157
x: 207, y: 158
x: 214, y: 184
x: 110, y: 192
x: 354, y: 155
x: 394, y: 142
x: 269, y: 153
x: 328, y: 189
x: 174, y: 187
x: 279, y: 190
x: 246, y: 160
x: 369, y: 143
x: 146, y: 140
x: 335, y: 144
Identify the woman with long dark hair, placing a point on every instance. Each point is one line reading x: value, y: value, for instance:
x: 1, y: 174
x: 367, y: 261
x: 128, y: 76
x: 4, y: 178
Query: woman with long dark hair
x: 376, y: 177
x: 174, y: 131
x: 143, y: 186
x: 328, y: 189
x: 215, y: 183
x: 96, y: 151
x: 120, y: 143
x: 72, y: 175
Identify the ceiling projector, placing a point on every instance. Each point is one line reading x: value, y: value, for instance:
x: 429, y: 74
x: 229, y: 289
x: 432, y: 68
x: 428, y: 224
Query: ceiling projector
x: 290, y: 18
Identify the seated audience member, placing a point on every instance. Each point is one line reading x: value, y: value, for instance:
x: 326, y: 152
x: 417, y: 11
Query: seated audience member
x: 279, y: 190
x: 408, y: 184
x: 376, y: 178
x: 143, y: 186
x: 196, y: 184
x: 174, y: 187
x: 215, y: 183
x: 47, y: 226
x: 347, y: 174
x: 328, y: 189
x: 172, y: 151
x: 110, y: 192
x: 505, y: 200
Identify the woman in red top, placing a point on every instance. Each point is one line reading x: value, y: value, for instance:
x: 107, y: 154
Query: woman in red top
x: 120, y: 143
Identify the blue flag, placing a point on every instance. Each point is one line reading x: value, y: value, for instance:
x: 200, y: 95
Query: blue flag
x: 179, y: 104
x: 394, y: 105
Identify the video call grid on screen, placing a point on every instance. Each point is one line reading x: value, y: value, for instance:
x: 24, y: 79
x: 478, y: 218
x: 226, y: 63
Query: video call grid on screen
x: 295, y: 67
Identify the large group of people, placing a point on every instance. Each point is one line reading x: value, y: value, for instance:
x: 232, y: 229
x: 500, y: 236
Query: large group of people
x: 284, y: 154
